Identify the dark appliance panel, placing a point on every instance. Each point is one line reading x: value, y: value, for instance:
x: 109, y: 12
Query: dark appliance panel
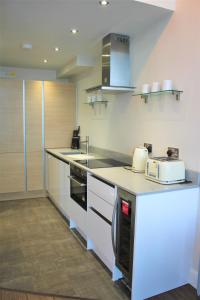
x: 78, y: 186
x: 123, y: 237
x: 75, y: 144
x: 101, y: 163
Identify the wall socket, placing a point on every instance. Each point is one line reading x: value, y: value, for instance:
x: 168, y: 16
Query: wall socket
x: 148, y: 146
x: 174, y: 151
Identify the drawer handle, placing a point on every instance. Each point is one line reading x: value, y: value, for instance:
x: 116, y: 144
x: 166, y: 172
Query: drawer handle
x: 75, y: 180
x: 101, y: 216
x: 113, y: 229
x: 103, y: 181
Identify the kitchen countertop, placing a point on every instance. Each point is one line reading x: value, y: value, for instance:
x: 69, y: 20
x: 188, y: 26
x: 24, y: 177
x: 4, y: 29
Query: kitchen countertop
x: 132, y: 182
x: 136, y: 183
x: 71, y: 158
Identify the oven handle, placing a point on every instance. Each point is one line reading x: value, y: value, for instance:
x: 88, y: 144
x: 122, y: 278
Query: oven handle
x: 113, y: 226
x: 75, y: 180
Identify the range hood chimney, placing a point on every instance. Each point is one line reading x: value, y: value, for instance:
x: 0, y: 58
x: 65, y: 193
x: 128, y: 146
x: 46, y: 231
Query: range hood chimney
x: 116, y: 67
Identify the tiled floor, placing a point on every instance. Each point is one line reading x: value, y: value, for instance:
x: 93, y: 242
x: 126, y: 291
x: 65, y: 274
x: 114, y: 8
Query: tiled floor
x: 38, y: 253
x: 16, y: 295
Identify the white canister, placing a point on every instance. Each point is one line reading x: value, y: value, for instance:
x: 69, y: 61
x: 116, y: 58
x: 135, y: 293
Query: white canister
x: 93, y: 98
x: 155, y: 87
x: 99, y: 96
x: 140, y: 157
x: 89, y: 99
x: 167, y: 85
x: 146, y: 88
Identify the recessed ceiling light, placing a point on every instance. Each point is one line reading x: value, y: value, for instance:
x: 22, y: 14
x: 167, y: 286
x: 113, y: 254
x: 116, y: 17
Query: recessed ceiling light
x: 74, y: 31
x: 27, y: 46
x: 57, y: 49
x: 45, y: 61
x: 104, y: 3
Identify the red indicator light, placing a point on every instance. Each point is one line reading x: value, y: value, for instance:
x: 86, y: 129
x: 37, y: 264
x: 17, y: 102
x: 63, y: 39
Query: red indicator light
x: 125, y: 208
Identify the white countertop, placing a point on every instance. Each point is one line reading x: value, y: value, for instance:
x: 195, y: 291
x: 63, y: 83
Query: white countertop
x: 70, y: 157
x: 132, y: 182
x: 136, y: 183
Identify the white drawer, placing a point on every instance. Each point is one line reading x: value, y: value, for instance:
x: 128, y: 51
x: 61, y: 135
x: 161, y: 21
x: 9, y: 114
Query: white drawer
x: 101, y: 189
x: 103, y: 207
x: 79, y: 216
x: 99, y: 232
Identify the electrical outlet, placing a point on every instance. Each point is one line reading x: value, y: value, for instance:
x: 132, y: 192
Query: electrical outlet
x: 174, y: 152
x: 149, y: 147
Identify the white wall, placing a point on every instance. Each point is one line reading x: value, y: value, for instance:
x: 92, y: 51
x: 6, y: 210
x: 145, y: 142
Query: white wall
x: 28, y: 74
x: 169, y: 50
x: 172, y: 53
x: 168, y: 4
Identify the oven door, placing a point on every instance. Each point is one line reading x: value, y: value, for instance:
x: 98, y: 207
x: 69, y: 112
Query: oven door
x: 78, y: 191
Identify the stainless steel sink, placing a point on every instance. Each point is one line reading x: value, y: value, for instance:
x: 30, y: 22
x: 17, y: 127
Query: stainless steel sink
x: 71, y: 153
x: 77, y: 155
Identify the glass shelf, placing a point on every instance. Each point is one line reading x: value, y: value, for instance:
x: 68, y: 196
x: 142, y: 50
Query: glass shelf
x: 145, y: 96
x: 92, y: 103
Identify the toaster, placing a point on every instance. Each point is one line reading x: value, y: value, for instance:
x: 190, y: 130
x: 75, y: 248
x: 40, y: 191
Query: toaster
x: 165, y: 170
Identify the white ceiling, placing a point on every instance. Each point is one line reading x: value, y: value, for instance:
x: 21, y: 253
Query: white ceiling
x: 47, y: 23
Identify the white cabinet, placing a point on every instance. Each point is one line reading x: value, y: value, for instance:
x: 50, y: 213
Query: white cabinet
x: 165, y: 228
x: 58, y: 184
x: 99, y: 232
x: 101, y: 197
x: 51, y: 177
x: 101, y: 189
x: 64, y: 187
x: 78, y: 218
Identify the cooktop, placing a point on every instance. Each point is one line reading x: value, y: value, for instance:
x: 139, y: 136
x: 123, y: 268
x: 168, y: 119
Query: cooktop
x: 101, y: 163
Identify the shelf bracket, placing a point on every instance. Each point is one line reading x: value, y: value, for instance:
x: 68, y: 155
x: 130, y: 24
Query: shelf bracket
x: 173, y: 92
x: 177, y: 94
x: 145, y: 97
x: 101, y: 102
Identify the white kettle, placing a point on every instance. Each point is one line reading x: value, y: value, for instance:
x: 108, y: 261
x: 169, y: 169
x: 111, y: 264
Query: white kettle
x: 140, y: 157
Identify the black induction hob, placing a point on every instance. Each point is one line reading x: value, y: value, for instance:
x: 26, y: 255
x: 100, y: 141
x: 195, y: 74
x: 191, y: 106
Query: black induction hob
x: 100, y: 163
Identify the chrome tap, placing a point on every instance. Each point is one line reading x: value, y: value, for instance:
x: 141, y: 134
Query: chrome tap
x: 87, y: 144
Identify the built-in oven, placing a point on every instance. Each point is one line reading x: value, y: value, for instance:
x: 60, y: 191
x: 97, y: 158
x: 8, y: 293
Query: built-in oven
x: 78, y: 185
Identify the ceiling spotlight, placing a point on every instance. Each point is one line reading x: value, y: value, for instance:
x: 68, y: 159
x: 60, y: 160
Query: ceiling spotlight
x: 74, y: 31
x: 45, y: 61
x: 57, y: 49
x: 27, y: 46
x: 104, y: 3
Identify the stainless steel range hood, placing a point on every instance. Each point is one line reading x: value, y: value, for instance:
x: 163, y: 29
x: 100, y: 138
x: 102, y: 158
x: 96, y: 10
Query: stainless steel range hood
x: 116, y: 67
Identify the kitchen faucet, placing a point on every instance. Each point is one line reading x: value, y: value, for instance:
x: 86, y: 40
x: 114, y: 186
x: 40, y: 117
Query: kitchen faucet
x: 87, y: 143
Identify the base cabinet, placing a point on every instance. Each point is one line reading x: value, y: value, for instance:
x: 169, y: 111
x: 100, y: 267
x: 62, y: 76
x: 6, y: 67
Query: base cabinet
x: 78, y: 218
x: 164, y: 231
x: 100, y: 197
x: 53, y: 178
x: 164, y: 241
x: 58, y: 184
x: 99, y: 232
x: 64, y: 187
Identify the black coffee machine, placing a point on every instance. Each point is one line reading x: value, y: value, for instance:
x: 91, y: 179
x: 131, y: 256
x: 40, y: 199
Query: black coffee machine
x: 76, y: 138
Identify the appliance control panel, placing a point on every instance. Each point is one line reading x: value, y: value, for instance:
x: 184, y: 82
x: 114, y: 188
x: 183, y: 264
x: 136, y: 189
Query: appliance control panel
x: 125, y: 195
x: 126, y: 201
x: 125, y: 207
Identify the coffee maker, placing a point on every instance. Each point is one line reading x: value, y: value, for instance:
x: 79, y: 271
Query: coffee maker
x: 76, y: 138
